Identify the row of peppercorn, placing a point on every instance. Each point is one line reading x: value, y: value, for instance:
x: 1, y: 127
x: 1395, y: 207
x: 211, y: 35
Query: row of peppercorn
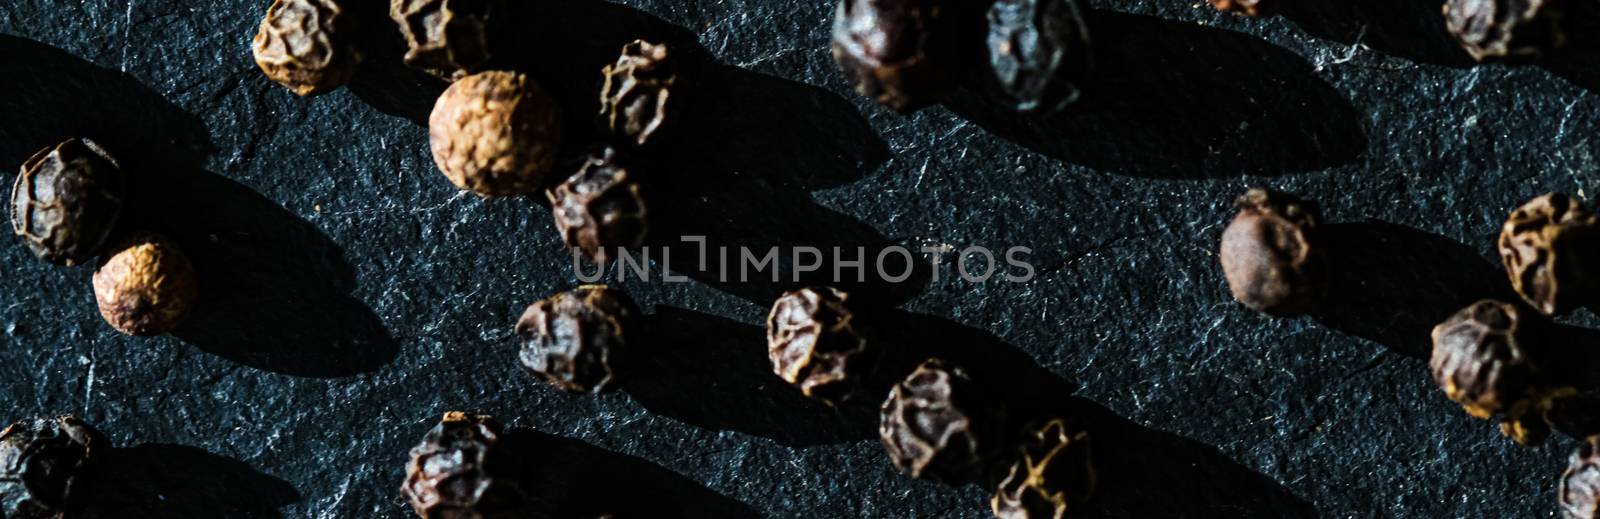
x: 1494, y: 358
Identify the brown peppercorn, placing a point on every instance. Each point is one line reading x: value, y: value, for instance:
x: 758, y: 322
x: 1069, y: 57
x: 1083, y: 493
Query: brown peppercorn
x: 43, y: 464
x: 1488, y: 357
x: 816, y: 343
x: 447, y: 38
x: 937, y: 424
x: 1499, y: 29
x: 1271, y: 253
x: 1551, y: 249
x: 1052, y: 476
x: 897, y: 52
x: 639, y: 97
x: 1249, y: 7
x: 147, y: 286
x: 1580, y: 484
x: 578, y: 341
x: 1038, y: 50
x: 67, y: 200
x: 495, y: 133
x: 457, y: 473
x: 306, y: 45
x: 601, y: 208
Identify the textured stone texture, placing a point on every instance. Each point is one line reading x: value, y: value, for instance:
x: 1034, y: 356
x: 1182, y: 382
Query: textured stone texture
x: 352, y: 295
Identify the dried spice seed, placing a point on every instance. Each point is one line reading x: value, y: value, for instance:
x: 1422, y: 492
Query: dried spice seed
x: 1487, y: 357
x: 1052, y: 476
x: 1551, y: 249
x: 601, y: 208
x: 578, y: 341
x: 816, y: 343
x: 1271, y: 253
x: 306, y: 45
x: 67, y: 200
x: 1580, y: 484
x: 446, y: 38
x: 638, y: 98
x: 897, y: 52
x: 1038, y: 50
x: 147, y: 286
x: 1249, y: 7
x: 1497, y: 29
x: 495, y: 134
x: 43, y: 462
x: 455, y: 473
x: 937, y: 424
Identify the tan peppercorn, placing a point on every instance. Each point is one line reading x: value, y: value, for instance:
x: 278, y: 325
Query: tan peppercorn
x: 147, y: 286
x: 446, y: 38
x: 306, y: 45
x: 636, y: 99
x: 601, y: 209
x: 817, y: 343
x: 1550, y: 247
x: 1053, y: 474
x: 495, y: 133
x: 1249, y: 7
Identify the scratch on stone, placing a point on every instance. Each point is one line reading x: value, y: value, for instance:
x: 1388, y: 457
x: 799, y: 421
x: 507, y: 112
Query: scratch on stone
x: 419, y: 210
x: 127, y: 27
x: 88, y: 386
x: 1350, y: 53
x: 921, y: 173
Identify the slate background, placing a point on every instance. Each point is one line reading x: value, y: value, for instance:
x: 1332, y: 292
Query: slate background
x: 352, y: 295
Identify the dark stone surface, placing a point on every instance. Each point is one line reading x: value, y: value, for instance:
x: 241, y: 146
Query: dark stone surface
x: 352, y: 295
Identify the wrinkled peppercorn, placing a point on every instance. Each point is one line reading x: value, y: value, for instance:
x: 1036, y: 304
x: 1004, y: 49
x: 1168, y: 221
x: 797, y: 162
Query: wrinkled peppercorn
x: 147, y: 286
x: 1271, y: 253
x: 816, y: 343
x: 1052, y: 476
x: 1488, y: 357
x: 640, y: 94
x: 456, y: 472
x: 897, y: 52
x: 937, y: 424
x: 1580, y: 484
x: 1551, y: 249
x: 601, y: 208
x: 1249, y: 7
x: 43, y: 462
x: 495, y: 133
x: 306, y: 45
x: 579, y: 340
x: 446, y: 38
x: 67, y: 200
x: 1493, y: 29
x: 1038, y: 50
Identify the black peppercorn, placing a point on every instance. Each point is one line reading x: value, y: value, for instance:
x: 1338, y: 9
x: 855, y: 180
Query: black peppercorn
x: 67, y: 200
x: 43, y: 463
x: 1249, y: 7
x: 147, y: 286
x: 1271, y: 253
x: 640, y: 94
x: 816, y: 343
x: 447, y: 38
x: 937, y: 424
x: 1038, y: 50
x: 1497, y: 29
x: 306, y: 45
x: 1053, y: 474
x: 601, y: 208
x: 897, y: 52
x: 1551, y: 249
x: 579, y: 340
x: 457, y: 473
x: 1580, y: 484
x: 1488, y: 357
x: 495, y: 133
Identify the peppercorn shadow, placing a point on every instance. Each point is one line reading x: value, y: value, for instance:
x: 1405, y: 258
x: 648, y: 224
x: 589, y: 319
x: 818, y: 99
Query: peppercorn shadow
x: 1171, y: 99
x: 735, y: 169
x: 1390, y: 284
x: 274, y: 289
x: 713, y: 373
x: 1411, y: 29
x: 1132, y: 461
x: 156, y: 480
x: 571, y: 478
x: 1579, y: 60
